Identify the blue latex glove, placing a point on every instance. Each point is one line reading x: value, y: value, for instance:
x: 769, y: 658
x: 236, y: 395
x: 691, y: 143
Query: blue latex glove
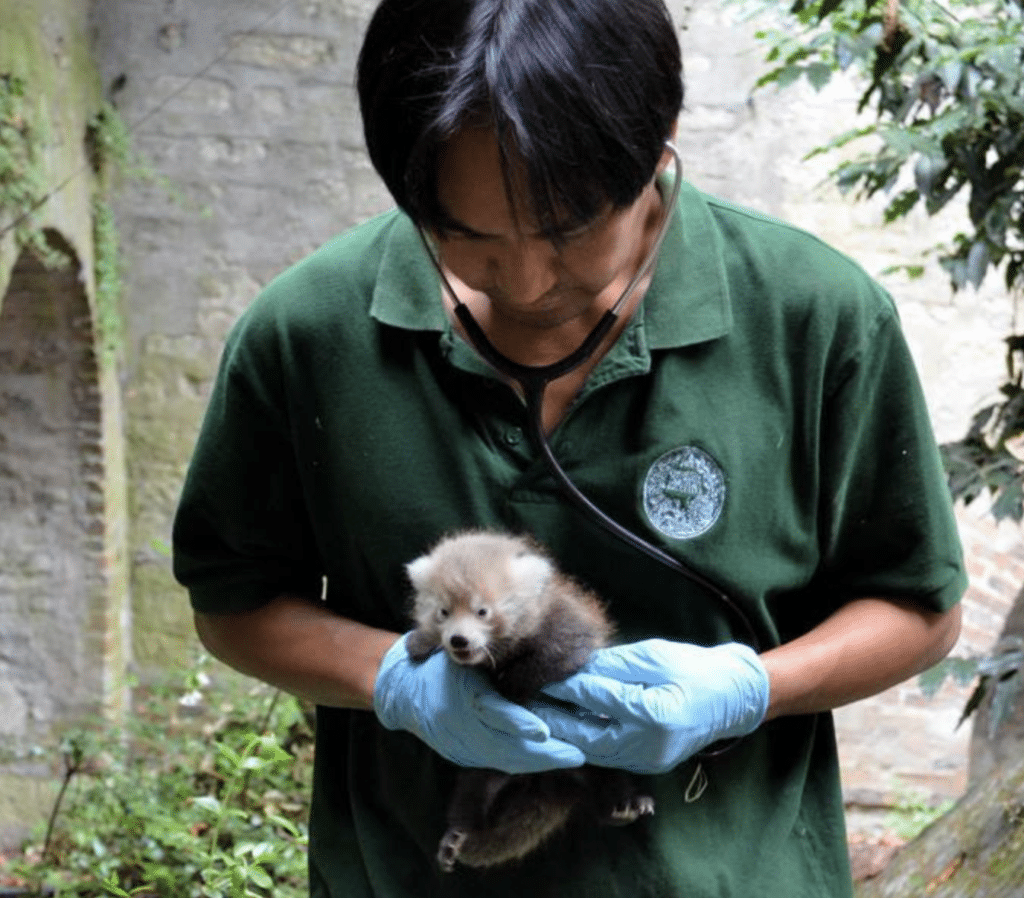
x: 456, y: 711
x: 654, y: 704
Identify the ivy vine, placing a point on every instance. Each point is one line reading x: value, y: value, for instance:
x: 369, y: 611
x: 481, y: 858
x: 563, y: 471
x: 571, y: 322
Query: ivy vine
x: 23, y: 188
x: 109, y: 148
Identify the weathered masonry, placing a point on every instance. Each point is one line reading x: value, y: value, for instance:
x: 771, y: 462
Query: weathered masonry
x: 52, y: 575
x: 64, y: 595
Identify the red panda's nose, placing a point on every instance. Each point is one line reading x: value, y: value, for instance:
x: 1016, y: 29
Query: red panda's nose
x: 458, y: 642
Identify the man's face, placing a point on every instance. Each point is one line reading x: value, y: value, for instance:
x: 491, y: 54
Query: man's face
x: 502, y: 266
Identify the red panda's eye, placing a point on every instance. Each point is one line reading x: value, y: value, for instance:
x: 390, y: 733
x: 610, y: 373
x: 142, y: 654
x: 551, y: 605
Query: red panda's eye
x: 481, y: 612
x: 442, y: 613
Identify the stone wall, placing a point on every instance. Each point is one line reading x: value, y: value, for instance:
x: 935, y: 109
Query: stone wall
x: 247, y: 110
x: 51, y: 502
x: 63, y: 575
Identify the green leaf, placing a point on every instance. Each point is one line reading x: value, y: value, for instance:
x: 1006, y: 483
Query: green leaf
x: 963, y: 670
x: 1010, y: 501
x: 285, y: 824
x: 207, y: 803
x: 901, y: 204
x: 951, y: 72
x: 977, y: 263
x: 974, y: 701
x: 930, y: 682
x: 957, y: 270
x: 827, y: 8
x: 787, y: 75
x: 260, y: 878
x: 819, y: 74
x: 927, y: 169
x: 258, y: 851
x: 111, y: 886
x: 229, y: 754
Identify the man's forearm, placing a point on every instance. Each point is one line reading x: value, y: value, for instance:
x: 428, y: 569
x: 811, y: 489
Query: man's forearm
x: 301, y: 647
x: 864, y: 648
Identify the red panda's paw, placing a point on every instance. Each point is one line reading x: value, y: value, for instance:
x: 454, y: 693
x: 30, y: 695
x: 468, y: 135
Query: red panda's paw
x: 631, y: 810
x: 420, y: 644
x: 450, y: 848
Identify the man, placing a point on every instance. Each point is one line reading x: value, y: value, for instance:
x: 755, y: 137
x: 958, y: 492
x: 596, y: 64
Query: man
x: 752, y: 410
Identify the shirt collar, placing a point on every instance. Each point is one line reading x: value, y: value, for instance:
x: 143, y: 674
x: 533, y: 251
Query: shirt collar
x: 687, y: 302
x: 407, y: 292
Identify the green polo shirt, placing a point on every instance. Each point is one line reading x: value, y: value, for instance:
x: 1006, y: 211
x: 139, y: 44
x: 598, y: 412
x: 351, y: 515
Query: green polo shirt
x: 760, y: 419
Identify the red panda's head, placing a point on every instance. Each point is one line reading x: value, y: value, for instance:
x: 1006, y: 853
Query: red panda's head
x: 477, y: 588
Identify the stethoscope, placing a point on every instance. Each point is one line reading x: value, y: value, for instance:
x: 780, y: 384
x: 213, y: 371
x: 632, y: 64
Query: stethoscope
x: 534, y: 379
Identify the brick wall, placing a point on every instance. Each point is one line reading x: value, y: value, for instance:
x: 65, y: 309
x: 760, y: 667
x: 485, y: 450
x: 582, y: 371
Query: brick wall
x: 247, y: 110
x: 900, y: 744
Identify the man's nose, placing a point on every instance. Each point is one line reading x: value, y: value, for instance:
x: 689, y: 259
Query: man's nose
x: 527, y: 271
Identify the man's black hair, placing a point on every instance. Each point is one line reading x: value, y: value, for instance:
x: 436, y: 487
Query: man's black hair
x: 582, y: 95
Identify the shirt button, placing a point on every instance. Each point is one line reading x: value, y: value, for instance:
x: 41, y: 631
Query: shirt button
x: 513, y: 436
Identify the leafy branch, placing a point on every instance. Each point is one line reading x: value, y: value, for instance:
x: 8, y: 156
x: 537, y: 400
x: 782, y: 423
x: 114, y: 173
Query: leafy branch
x: 942, y: 87
x: 22, y: 180
x: 1000, y: 676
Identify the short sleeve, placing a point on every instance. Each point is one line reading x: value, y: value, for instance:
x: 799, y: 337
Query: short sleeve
x: 886, y: 521
x: 242, y: 534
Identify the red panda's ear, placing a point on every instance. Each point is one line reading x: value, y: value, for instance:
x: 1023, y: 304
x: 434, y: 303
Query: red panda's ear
x: 420, y: 570
x: 531, y: 570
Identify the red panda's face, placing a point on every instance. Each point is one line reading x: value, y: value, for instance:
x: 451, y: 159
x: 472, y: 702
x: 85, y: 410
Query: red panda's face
x: 476, y: 589
x: 466, y: 624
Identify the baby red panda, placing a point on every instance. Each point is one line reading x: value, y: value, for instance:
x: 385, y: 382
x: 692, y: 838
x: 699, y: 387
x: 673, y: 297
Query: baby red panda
x: 496, y: 602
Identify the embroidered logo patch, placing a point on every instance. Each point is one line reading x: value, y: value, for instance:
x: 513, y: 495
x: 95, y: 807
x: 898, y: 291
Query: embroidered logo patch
x: 684, y: 492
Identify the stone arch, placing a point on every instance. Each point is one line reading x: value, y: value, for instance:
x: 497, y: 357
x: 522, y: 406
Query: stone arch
x: 54, y: 583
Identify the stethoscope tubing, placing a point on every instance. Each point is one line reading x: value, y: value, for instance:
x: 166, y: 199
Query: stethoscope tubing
x: 534, y: 379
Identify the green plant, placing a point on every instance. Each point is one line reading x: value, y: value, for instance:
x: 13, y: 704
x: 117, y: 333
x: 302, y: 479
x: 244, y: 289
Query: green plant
x: 22, y: 181
x: 107, y: 268
x: 943, y: 86
x: 912, y: 812
x: 109, y: 146
x: 196, y: 796
x: 112, y: 157
x: 1000, y: 676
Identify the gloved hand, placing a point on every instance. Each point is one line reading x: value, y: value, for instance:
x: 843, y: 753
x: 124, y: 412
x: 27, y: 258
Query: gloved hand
x: 654, y: 704
x: 460, y: 716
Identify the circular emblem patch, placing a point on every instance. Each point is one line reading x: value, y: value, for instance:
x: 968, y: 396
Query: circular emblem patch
x: 684, y: 492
